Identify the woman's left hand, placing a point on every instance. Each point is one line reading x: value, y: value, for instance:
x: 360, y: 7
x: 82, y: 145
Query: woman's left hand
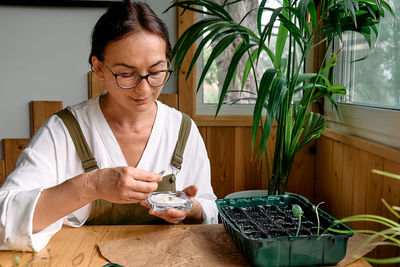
x: 194, y: 215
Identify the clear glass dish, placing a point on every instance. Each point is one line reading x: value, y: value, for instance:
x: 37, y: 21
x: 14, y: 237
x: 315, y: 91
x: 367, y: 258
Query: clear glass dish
x: 164, y: 200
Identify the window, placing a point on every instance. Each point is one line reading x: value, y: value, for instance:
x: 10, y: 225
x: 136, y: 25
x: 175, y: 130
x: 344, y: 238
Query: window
x: 208, y: 95
x: 371, y: 108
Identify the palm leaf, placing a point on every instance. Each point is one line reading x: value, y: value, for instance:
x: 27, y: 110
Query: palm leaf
x: 259, y: 16
x: 314, y: 127
x: 213, y: 8
x: 303, y: 8
x: 189, y: 38
x: 249, y: 64
x: 263, y: 93
x: 280, y: 45
x: 213, y: 35
x: 267, y: 31
x: 218, y: 49
x: 276, y: 96
x: 242, y: 48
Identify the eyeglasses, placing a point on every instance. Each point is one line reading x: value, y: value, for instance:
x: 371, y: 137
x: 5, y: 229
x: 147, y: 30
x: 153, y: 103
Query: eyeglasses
x: 130, y: 80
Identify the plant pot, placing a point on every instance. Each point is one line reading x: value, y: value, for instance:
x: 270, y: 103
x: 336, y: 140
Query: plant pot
x: 264, y: 230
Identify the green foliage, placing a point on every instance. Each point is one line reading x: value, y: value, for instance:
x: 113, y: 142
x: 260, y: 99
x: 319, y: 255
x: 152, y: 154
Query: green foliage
x: 301, y: 29
x: 317, y: 215
x: 297, y: 212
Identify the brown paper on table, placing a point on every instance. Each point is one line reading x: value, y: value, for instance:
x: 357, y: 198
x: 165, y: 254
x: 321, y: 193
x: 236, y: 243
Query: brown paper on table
x: 207, y: 245
x: 356, y: 249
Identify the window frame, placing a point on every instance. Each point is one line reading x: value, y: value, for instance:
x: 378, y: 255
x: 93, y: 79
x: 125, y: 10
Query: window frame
x: 187, y: 87
x: 377, y: 124
x: 386, y: 118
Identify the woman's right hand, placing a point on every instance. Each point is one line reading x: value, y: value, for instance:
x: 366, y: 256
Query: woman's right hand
x: 122, y: 184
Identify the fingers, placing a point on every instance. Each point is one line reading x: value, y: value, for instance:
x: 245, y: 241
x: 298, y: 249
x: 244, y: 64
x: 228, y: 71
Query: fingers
x: 136, y: 197
x: 144, y: 187
x: 171, y: 215
x: 123, y: 184
x: 139, y: 180
x: 191, y: 191
x: 143, y: 175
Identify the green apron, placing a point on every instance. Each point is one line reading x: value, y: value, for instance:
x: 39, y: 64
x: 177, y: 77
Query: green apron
x: 106, y: 213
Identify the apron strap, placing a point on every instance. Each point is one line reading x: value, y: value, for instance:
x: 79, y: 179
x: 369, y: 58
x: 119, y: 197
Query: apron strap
x: 88, y: 161
x: 184, y: 131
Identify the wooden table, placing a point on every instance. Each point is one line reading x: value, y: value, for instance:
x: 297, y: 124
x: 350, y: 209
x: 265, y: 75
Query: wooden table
x: 78, y: 246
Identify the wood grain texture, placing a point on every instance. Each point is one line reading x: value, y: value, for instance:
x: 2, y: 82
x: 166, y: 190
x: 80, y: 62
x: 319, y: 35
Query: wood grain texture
x: 374, y: 189
x: 221, y: 151
x: 359, y: 186
x: 223, y: 120
x: 301, y: 178
x: 344, y: 164
x: 270, y: 150
x: 95, y: 86
x: 2, y: 172
x: 324, y: 173
x: 11, y: 150
x: 186, y: 87
x: 169, y: 100
x: 78, y: 246
x: 203, y: 133
x: 390, y: 193
x: 40, y: 111
x: 366, y: 145
x: 336, y: 181
x: 247, y: 169
x: 346, y: 200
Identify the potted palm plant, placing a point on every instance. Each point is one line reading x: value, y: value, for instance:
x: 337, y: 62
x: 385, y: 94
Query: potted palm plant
x: 303, y: 26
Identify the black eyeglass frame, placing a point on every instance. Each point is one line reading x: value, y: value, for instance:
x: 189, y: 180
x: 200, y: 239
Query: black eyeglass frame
x: 141, y: 77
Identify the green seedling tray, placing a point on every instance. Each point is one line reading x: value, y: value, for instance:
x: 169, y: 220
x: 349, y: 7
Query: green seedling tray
x: 308, y: 250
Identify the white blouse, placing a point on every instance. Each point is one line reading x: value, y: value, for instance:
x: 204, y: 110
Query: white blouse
x: 51, y: 158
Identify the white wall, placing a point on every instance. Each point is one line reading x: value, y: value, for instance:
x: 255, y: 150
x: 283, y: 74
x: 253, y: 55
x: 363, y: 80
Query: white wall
x: 44, y: 56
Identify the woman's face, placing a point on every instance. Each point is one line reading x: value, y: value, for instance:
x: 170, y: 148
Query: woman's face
x: 140, y: 53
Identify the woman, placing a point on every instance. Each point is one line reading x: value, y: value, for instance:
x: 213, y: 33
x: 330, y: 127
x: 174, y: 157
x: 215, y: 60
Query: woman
x: 131, y: 136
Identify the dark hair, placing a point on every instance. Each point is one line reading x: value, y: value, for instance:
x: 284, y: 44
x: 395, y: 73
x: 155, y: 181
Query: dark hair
x: 126, y: 18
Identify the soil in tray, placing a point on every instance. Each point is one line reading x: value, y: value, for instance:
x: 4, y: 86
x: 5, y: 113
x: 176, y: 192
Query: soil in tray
x: 268, y: 221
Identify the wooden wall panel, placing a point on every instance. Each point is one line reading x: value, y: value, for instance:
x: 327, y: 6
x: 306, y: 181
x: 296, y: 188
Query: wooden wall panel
x: 390, y: 193
x: 220, y: 147
x: 374, y: 189
x: 2, y: 172
x: 40, y: 111
x: 270, y: 149
x: 95, y: 87
x: 247, y: 169
x: 301, y: 179
x: 186, y: 87
x: 11, y: 150
x: 344, y: 163
x: 373, y: 194
x: 336, y: 183
x: 323, y: 173
x: 169, y: 100
x: 359, y: 191
x: 349, y: 155
x: 203, y: 133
